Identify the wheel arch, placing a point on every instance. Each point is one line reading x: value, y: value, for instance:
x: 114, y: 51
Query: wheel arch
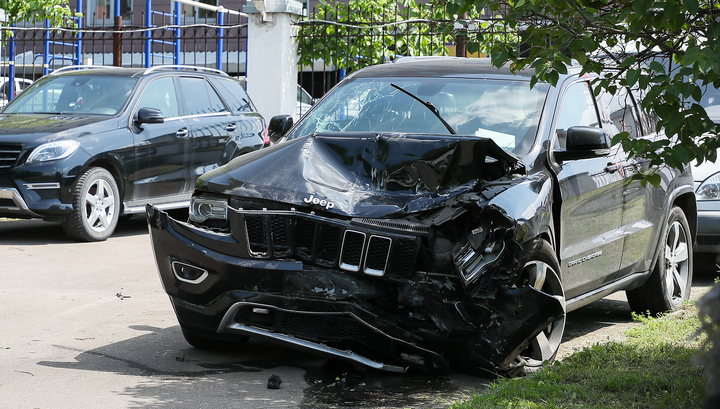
x: 684, y: 198
x: 114, y: 169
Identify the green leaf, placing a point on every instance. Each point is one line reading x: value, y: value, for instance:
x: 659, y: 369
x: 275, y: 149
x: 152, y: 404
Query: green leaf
x: 632, y: 76
x: 641, y: 6
x: 581, y: 57
x: 654, y: 179
x: 552, y: 77
x: 691, y: 6
x: 657, y: 67
x: 691, y: 55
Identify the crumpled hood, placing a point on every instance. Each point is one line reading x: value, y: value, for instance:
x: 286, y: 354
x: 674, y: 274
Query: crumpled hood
x: 363, y: 174
x: 34, y: 129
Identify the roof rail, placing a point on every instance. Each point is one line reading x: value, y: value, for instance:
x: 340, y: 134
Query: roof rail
x: 184, y: 67
x: 80, y: 67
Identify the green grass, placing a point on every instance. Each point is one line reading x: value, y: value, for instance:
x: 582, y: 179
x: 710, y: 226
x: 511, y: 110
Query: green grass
x: 654, y: 368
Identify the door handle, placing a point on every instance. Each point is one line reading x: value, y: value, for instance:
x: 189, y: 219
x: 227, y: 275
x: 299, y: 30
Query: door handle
x: 613, y: 167
x: 231, y: 127
x: 182, y: 133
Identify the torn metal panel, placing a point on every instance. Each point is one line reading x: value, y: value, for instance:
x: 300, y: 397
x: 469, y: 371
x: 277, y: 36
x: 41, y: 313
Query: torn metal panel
x: 364, y: 174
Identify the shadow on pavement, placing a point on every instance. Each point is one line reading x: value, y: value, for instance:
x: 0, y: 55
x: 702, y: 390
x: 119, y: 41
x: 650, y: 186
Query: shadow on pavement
x: 172, y: 370
x: 35, y: 231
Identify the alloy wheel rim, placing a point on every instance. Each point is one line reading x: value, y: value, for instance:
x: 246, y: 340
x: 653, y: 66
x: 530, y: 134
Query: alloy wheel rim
x: 544, y: 346
x: 99, y: 205
x: 677, y: 258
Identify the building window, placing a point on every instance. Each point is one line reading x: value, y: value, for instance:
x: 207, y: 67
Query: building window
x: 190, y: 14
x: 102, y: 12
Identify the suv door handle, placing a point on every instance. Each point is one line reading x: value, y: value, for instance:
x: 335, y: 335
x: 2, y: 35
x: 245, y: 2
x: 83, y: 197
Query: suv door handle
x: 613, y: 167
x: 231, y: 127
x: 182, y: 133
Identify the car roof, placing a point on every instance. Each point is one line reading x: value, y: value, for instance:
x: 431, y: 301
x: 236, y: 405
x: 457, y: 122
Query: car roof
x: 442, y: 67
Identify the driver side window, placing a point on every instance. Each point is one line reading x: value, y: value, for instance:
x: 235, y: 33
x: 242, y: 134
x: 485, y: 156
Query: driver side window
x: 577, y: 109
x: 160, y: 94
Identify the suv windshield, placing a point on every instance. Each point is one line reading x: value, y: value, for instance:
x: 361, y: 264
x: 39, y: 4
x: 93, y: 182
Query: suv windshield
x: 72, y: 94
x: 506, y: 111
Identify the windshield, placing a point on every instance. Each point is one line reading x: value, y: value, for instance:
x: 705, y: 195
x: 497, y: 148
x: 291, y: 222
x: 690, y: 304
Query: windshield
x: 505, y: 111
x: 73, y: 94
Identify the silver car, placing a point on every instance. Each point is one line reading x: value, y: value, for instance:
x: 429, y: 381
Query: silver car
x: 707, y: 187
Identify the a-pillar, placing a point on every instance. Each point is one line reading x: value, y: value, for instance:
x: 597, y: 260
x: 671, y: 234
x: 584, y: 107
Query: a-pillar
x: 272, y: 58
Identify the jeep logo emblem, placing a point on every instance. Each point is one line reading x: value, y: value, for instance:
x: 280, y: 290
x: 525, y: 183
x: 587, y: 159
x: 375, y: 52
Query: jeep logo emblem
x: 321, y: 202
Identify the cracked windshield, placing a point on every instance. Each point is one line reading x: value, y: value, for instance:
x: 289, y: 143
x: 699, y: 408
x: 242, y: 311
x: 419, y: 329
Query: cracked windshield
x: 505, y: 111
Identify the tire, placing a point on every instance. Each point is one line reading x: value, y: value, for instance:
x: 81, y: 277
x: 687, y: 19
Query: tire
x: 209, y: 341
x: 541, y: 270
x: 670, y: 281
x: 96, y: 207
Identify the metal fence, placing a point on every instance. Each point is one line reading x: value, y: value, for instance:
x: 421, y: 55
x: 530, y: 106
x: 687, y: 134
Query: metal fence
x: 338, y: 39
x: 157, y: 39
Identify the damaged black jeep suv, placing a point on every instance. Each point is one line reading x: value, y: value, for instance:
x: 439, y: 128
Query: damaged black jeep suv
x: 431, y: 213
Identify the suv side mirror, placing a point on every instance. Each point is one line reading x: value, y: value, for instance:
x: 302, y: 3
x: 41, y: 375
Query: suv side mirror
x: 149, y: 116
x: 278, y: 127
x: 584, y: 142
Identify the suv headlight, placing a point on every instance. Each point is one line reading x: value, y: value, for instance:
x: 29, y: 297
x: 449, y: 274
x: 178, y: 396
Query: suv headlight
x: 709, y: 189
x: 53, y: 151
x: 204, y: 208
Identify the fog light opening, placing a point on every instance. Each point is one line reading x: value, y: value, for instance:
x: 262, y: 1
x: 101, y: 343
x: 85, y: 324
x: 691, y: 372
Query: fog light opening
x: 189, y: 274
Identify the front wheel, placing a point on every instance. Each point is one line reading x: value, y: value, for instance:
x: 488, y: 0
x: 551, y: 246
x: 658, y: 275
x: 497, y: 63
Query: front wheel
x: 669, y: 283
x: 96, y: 207
x: 541, y: 270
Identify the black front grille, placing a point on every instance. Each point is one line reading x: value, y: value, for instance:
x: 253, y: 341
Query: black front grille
x: 325, y: 242
x: 9, y: 155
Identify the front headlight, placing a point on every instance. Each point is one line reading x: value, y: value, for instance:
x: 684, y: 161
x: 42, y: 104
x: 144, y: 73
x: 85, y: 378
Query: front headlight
x: 709, y: 189
x: 53, y: 151
x: 204, y: 208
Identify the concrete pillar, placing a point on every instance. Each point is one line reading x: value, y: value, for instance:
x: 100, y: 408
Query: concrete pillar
x: 272, y: 60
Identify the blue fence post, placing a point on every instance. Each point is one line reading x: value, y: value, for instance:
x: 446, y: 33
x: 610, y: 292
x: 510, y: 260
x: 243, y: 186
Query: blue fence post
x: 46, y: 50
x: 221, y: 32
x: 80, y: 22
x: 178, y: 33
x: 11, y: 67
x: 148, y: 33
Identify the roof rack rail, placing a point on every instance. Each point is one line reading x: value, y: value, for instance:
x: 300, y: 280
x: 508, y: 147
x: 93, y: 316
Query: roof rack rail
x: 80, y: 67
x: 184, y: 67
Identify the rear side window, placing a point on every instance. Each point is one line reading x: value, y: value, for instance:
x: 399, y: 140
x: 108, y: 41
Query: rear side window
x: 200, y: 97
x: 234, y: 94
x: 648, y: 119
x: 623, y: 115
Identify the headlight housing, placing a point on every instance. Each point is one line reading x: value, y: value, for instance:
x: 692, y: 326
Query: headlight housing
x: 53, y: 151
x: 203, y: 208
x: 709, y: 189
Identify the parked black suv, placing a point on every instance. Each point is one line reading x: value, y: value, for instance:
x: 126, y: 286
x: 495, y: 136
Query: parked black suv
x: 85, y: 145
x: 431, y: 213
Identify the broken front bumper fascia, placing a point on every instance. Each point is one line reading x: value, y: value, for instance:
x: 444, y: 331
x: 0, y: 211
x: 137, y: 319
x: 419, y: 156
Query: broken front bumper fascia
x: 338, y: 314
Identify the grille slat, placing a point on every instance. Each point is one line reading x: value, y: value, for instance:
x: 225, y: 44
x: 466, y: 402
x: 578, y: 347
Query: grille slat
x: 352, y: 250
x: 9, y: 155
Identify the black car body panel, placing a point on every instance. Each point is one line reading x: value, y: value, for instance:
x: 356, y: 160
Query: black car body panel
x: 399, y: 249
x: 97, y: 109
x: 365, y: 175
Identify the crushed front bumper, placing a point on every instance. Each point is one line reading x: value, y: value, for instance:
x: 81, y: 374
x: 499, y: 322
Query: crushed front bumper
x: 362, y: 319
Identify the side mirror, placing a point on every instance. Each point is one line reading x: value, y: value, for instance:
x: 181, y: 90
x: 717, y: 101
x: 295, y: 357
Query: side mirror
x: 279, y: 125
x: 149, y: 116
x: 584, y: 142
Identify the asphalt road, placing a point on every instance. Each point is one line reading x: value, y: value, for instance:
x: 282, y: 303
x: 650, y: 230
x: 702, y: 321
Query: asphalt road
x: 88, y: 325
